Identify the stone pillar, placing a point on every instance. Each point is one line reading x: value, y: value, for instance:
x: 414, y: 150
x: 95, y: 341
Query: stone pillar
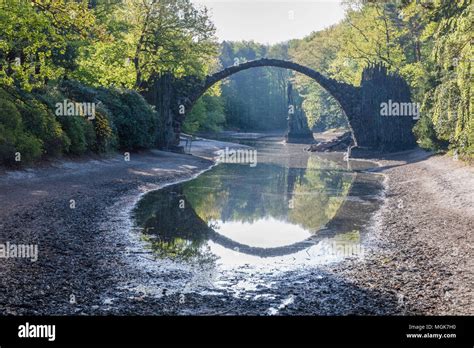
x: 374, y: 130
x: 298, y: 130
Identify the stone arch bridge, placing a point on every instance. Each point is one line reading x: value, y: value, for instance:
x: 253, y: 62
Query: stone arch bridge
x: 174, y: 99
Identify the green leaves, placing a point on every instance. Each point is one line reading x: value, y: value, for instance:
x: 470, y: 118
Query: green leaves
x: 428, y: 42
x: 166, y: 35
x: 40, y: 40
x: 103, y: 43
x: 119, y: 45
x: 319, y: 51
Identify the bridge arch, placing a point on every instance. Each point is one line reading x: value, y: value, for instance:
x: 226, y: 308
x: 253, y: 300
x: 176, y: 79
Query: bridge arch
x: 174, y: 99
x: 343, y: 93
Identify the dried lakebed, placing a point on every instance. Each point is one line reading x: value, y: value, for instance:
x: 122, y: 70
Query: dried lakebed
x: 339, y: 260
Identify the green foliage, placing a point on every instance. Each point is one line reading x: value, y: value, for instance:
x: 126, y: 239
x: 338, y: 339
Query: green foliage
x: 29, y: 125
x: 79, y: 132
x: 186, y: 29
x: 42, y: 123
x: 13, y: 137
x: 9, y: 116
x: 321, y: 109
x: 103, y: 132
x: 425, y: 131
x: 318, y: 51
x: 145, y: 38
x: 429, y: 43
x: 207, y: 114
x: 445, y: 36
x: 105, y: 64
x: 133, y: 119
x: 28, y: 146
x: 40, y: 38
x: 123, y: 119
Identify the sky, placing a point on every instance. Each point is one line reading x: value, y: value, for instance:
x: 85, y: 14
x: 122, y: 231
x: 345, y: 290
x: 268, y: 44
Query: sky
x: 271, y: 21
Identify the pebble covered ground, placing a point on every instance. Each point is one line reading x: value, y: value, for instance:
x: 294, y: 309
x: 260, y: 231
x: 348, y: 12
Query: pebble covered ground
x: 418, y: 260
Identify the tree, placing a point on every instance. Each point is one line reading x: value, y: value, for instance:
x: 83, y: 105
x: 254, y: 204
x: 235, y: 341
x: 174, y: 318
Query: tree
x: 40, y: 39
x: 169, y: 35
x: 318, y: 51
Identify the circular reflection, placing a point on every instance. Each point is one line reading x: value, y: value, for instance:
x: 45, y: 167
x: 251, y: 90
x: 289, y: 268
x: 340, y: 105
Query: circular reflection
x: 265, y: 211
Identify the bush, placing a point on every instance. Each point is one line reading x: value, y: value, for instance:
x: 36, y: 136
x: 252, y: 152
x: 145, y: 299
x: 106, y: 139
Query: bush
x: 206, y: 115
x: 123, y: 118
x: 28, y: 122
x: 7, y: 142
x: 425, y: 133
x: 85, y: 135
x: 9, y: 115
x: 41, y: 122
x: 134, y: 119
x: 77, y: 130
x: 13, y: 137
x: 30, y: 147
x: 104, y: 136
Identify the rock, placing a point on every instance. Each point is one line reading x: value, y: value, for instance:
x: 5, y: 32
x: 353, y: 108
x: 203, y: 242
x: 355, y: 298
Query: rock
x: 341, y: 143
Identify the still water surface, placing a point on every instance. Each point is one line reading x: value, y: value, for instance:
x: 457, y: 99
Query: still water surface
x: 293, y: 209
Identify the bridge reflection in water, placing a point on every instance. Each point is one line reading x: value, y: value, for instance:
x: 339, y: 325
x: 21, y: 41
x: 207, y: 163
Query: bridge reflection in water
x: 270, y: 211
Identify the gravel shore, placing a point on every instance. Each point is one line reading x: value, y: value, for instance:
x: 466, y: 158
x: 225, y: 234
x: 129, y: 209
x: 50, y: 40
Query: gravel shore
x: 418, y: 261
x: 422, y: 238
x: 64, y: 209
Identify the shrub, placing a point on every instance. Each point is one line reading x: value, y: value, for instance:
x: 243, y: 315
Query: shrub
x: 85, y: 135
x: 30, y: 147
x: 13, y: 137
x: 41, y: 122
x: 134, y: 119
x: 28, y: 123
x: 76, y: 129
x: 105, y: 138
x: 425, y: 133
x: 9, y: 115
